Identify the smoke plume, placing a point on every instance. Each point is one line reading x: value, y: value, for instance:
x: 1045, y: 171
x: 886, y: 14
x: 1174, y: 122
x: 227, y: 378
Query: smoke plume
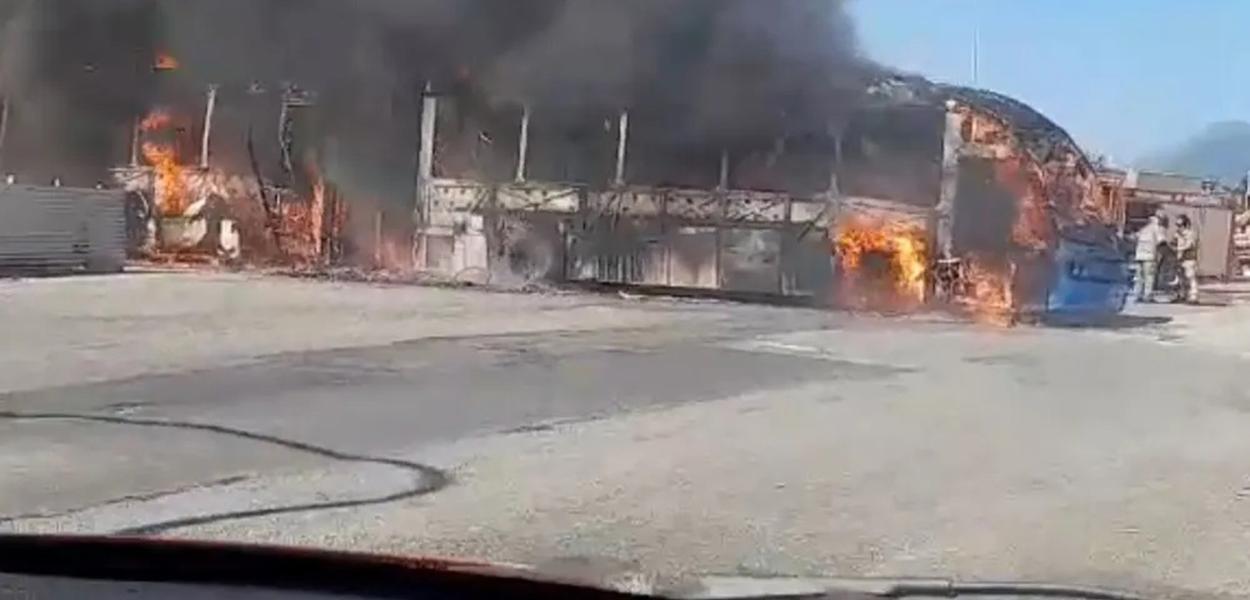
x: 709, y: 73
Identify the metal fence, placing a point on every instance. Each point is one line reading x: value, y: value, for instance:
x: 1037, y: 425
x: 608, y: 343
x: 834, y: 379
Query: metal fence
x: 54, y: 230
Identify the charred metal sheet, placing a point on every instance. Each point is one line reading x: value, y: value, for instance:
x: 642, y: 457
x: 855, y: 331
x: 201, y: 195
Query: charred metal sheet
x: 618, y: 250
x: 439, y: 250
x: 1038, y: 135
x: 807, y: 264
x: 630, y: 202
x: 756, y: 207
x: 449, y: 196
x: 751, y: 260
x: 526, y: 247
x: 534, y: 198
x: 580, y: 262
x: 653, y: 260
x: 812, y: 213
x: 460, y: 251
x: 695, y: 205
x: 693, y: 260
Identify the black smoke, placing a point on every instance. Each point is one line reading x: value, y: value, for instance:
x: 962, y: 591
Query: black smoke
x: 74, y: 73
x: 696, y: 73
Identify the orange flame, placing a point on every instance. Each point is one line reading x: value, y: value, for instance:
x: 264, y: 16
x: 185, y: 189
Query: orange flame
x: 901, y: 245
x: 309, y: 226
x: 171, y: 187
x: 988, y: 291
x: 166, y: 62
x: 318, y: 212
x: 303, y: 230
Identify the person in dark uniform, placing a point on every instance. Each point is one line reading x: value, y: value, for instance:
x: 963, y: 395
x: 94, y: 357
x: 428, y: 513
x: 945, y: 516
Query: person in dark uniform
x: 1187, y: 255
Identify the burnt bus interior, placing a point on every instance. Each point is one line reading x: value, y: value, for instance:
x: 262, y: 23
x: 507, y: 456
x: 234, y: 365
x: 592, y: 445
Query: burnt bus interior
x: 647, y: 206
x: 931, y: 193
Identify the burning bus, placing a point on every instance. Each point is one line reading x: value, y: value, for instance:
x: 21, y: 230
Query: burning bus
x: 719, y: 146
x: 919, y: 195
x: 924, y: 194
x: 199, y: 199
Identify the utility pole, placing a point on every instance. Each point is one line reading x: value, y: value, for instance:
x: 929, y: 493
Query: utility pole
x: 976, y: 55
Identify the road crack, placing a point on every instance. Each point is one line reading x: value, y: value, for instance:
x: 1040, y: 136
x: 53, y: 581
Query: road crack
x: 426, y: 479
x: 144, y: 497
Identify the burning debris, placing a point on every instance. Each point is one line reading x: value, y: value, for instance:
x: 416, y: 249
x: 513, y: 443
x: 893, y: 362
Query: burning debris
x: 987, y: 292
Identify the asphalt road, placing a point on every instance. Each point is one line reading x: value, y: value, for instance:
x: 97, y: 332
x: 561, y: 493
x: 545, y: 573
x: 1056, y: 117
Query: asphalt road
x: 677, y: 437
x: 97, y: 442
x: 163, y: 430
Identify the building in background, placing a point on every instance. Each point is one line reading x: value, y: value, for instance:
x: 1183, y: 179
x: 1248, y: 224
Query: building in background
x: 1211, y: 207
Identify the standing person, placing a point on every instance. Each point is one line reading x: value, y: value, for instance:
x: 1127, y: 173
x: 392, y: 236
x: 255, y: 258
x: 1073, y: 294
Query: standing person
x: 1187, y: 254
x: 1147, y: 256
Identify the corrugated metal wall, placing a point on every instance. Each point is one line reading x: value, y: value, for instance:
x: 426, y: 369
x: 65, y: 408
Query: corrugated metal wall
x: 45, y: 229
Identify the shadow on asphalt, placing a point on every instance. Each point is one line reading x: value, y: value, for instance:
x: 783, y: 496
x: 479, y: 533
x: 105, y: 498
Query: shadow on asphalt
x: 1113, y: 322
x: 427, y: 479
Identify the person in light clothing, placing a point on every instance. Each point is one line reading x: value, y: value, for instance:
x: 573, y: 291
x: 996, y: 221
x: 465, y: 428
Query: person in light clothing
x: 1147, y: 257
x: 1187, y: 255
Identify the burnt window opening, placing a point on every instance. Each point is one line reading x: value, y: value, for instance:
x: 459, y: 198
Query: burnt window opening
x: 672, y: 165
x: 662, y: 152
x: 893, y: 154
x: 567, y: 147
x: 986, y: 209
x: 476, y: 141
x: 801, y: 165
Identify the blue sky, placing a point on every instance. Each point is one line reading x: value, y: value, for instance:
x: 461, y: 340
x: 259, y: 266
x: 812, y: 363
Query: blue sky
x: 1125, y: 77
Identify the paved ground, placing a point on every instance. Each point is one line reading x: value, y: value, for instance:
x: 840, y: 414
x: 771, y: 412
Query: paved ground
x: 682, y: 437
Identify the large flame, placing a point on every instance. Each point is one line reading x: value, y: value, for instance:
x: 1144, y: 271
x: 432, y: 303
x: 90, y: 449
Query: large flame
x: 171, y: 188
x: 317, y: 221
x: 900, y: 245
x: 170, y: 183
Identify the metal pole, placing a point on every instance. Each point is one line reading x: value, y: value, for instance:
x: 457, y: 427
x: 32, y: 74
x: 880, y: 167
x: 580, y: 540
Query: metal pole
x: 429, y: 116
x: 621, y: 145
x: 378, y: 257
x: 208, y: 126
x: 523, y: 150
x: 134, y: 143
x: 724, y: 171
x: 835, y: 188
x: 952, y: 147
x: 425, y: 173
x: 284, y: 133
x: 4, y: 126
